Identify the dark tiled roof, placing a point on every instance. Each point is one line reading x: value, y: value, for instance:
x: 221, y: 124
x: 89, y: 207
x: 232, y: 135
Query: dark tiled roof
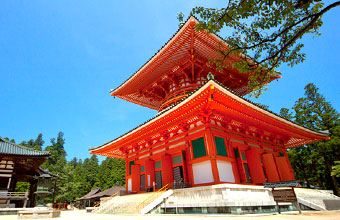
x: 8, y: 148
x: 91, y: 193
x: 108, y: 192
x: 46, y: 173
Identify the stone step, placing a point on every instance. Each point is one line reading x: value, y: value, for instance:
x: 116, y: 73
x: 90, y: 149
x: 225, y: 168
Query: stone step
x: 127, y: 204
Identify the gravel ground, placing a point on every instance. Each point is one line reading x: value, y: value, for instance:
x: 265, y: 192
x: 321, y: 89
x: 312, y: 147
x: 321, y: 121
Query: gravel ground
x: 82, y: 215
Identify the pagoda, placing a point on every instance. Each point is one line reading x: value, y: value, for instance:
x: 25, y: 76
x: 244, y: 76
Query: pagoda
x: 205, y: 131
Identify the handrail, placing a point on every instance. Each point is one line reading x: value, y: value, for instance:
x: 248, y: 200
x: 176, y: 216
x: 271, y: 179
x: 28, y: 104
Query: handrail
x: 13, y: 194
x: 152, y: 197
x: 113, y: 195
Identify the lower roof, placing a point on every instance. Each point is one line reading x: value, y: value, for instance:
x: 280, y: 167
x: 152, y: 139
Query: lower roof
x: 214, y: 96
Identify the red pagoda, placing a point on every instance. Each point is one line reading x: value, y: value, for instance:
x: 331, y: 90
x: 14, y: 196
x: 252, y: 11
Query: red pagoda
x: 205, y: 132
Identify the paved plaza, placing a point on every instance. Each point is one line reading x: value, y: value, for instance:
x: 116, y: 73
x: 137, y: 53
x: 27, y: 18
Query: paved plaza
x: 82, y: 215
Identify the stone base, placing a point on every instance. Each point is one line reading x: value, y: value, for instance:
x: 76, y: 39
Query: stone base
x: 37, y: 213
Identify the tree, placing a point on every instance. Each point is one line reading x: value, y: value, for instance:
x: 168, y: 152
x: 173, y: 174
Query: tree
x: 313, y: 163
x: 111, y: 172
x: 336, y: 169
x: 56, y: 162
x: 91, y: 168
x: 12, y: 140
x: 35, y: 144
x: 267, y: 33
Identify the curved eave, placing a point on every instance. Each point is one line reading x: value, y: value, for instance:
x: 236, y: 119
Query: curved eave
x: 161, y: 62
x: 156, y: 55
x: 115, y: 152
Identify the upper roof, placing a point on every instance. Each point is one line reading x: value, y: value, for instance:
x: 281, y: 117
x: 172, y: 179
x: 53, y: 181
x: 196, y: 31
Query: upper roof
x: 167, y: 60
x: 8, y: 148
x: 227, y: 103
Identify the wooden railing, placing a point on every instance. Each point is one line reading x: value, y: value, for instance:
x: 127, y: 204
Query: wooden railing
x: 107, y: 199
x: 152, y: 197
x: 13, y: 195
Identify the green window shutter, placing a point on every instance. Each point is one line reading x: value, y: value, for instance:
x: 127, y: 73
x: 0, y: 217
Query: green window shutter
x: 158, y: 165
x: 220, y: 146
x: 130, y: 164
x: 237, y: 154
x: 142, y: 169
x: 183, y: 155
x: 198, y: 147
x: 243, y: 156
x: 246, y: 169
x: 177, y: 160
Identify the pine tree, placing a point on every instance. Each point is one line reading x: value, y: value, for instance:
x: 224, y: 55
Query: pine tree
x: 313, y: 163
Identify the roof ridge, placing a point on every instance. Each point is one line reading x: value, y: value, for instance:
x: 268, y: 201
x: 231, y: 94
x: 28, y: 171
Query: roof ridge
x: 23, y: 147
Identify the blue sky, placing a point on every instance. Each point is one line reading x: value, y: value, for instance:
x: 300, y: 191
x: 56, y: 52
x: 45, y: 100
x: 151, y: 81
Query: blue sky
x: 59, y: 60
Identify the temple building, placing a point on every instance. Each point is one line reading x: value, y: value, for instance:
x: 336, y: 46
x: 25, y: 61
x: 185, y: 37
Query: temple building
x: 19, y: 164
x: 205, y: 131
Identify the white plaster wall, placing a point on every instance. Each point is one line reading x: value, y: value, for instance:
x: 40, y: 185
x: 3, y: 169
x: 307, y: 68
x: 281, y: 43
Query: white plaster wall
x: 225, y: 171
x: 202, y: 172
x: 129, y: 184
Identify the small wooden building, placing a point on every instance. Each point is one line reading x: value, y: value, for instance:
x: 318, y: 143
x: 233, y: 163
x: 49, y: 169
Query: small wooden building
x: 87, y: 201
x: 18, y: 163
x: 119, y: 190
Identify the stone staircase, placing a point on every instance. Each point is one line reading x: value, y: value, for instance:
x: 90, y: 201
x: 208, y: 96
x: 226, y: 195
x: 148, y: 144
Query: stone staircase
x: 315, y: 199
x: 127, y: 204
x: 239, y: 198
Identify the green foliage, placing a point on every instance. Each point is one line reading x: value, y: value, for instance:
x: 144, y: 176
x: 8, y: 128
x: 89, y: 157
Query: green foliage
x: 267, y: 33
x: 57, y: 161
x: 336, y: 169
x: 111, y: 172
x: 35, y: 144
x: 12, y: 140
x: 313, y: 163
x: 22, y: 186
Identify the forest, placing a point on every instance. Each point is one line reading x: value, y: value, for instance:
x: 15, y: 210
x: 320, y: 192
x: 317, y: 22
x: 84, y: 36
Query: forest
x: 316, y: 165
x: 75, y: 177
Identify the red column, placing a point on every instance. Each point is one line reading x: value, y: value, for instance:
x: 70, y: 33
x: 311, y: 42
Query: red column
x: 255, y: 166
x: 188, y: 153
x: 167, y: 172
x: 135, y: 175
x: 270, y: 167
x: 126, y: 174
x: 235, y: 171
x: 149, y: 173
x: 283, y: 168
x: 212, y: 153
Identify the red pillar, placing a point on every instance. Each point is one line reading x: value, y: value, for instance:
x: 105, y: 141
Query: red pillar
x: 235, y: 171
x: 270, y: 167
x: 149, y: 173
x: 188, y: 153
x: 167, y: 172
x: 255, y: 166
x: 135, y: 175
x: 212, y: 153
x: 126, y: 174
